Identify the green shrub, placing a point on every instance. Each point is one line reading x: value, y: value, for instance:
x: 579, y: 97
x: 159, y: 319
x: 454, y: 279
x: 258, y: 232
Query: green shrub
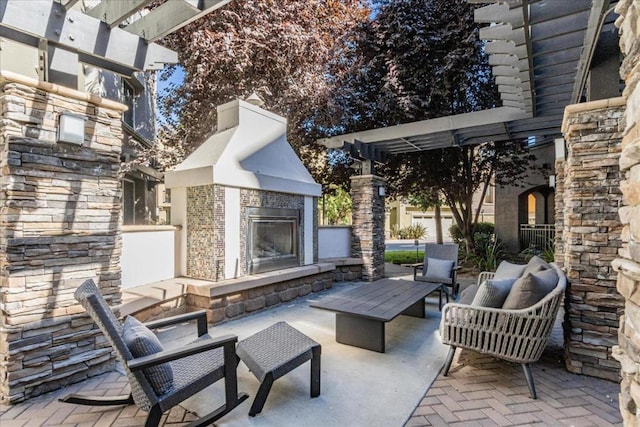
x: 488, y: 252
x: 481, y: 227
x: 416, y: 231
x: 548, y: 253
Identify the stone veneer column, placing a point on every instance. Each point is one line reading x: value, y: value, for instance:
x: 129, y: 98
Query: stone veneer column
x: 628, y: 262
x: 60, y: 215
x: 592, y: 235
x: 367, y: 239
x: 559, y: 242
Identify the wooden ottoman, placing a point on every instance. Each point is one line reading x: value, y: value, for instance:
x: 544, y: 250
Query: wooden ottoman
x: 275, y: 351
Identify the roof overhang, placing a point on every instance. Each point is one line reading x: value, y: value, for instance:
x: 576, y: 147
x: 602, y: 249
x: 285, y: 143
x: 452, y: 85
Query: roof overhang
x: 540, y: 51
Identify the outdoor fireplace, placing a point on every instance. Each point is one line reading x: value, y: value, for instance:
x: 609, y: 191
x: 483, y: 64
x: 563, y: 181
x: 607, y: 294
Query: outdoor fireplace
x: 272, y: 239
x: 245, y: 202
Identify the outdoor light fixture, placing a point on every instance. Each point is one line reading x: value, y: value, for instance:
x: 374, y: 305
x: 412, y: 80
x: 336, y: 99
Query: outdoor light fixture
x: 71, y: 129
x: 559, y: 148
x: 382, y: 191
x: 552, y: 181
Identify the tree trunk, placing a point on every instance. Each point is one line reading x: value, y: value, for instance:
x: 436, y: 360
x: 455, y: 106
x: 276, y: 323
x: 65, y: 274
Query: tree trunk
x: 438, y: 221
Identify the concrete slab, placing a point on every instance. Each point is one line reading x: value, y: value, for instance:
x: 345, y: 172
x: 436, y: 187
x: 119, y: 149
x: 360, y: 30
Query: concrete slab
x: 359, y: 387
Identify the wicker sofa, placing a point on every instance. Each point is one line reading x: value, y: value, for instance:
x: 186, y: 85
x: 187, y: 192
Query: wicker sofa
x: 515, y: 335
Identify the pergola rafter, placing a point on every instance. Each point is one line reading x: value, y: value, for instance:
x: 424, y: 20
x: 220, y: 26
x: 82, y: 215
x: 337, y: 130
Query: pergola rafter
x: 540, y: 53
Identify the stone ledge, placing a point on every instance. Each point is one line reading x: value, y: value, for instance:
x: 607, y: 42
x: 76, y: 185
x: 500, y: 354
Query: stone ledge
x: 217, y: 289
x: 339, y: 262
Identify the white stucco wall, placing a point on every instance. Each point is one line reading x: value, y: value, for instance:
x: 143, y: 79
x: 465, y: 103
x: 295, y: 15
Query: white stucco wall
x: 334, y: 241
x: 147, y: 255
x: 231, y: 233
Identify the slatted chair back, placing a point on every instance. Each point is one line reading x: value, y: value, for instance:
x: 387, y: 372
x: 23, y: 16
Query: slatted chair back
x: 89, y: 296
x: 443, y: 251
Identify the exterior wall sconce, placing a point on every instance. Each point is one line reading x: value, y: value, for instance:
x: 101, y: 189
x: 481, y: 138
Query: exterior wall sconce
x: 71, y: 129
x: 552, y: 181
x: 382, y: 191
x: 560, y: 149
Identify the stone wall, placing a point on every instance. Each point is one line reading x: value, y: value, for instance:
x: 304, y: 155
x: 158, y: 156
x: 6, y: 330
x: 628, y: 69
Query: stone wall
x: 628, y: 262
x: 368, y: 215
x: 201, y: 237
x: 60, y: 215
x: 592, y: 235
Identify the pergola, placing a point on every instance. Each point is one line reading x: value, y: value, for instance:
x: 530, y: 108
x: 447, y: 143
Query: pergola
x: 117, y: 36
x: 541, y: 52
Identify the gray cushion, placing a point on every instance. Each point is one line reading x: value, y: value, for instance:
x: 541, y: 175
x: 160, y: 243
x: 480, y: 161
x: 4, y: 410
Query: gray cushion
x: 492, y: 293
x: 530, y: 288
x: 507, y: 270
x: 467, y: 294
x: 536, y: 264
x: 438, y: 269
x: 141, y: 341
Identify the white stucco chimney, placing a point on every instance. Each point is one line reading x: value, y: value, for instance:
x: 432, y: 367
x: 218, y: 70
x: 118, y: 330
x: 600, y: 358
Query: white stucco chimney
x: 249, y: 150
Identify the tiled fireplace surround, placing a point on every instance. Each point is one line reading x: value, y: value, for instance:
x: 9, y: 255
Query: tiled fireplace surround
x: 206, y: 229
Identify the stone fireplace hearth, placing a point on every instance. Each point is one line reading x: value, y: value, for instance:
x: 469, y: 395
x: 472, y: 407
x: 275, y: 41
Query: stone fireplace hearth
x: 245, y: 201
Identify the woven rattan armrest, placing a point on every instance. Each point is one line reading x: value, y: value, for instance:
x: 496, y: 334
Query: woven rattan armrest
x: 184, y: 351
x: 200, y: 316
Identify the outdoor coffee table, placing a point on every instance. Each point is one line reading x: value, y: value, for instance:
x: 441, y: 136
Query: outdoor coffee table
x: 362, y: 312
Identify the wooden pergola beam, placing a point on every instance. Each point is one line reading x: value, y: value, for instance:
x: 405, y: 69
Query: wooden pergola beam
x: 171, y: 16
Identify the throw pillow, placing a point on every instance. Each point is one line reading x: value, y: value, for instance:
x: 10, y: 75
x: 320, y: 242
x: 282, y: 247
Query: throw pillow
x: 492, y: 293
x: 507, y: 270
x: 438, y: 270
x: 467, y: 294
x: 141, y: 341
x: 530, y: 288
x: 536, y: 264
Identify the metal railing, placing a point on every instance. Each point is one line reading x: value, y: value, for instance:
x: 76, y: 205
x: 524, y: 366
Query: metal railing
x: 537, y: 237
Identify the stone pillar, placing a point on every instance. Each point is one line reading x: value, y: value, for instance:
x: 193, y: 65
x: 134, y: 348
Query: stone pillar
x: 60, y: 215
x: 592, y: 235
x: 367, y: 238
x: 628, y: 262
x: 559, y: 243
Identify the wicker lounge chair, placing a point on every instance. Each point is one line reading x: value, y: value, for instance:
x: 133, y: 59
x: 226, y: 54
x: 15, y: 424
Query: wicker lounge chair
x: 447, y: 252
x: 518, y: 336
x: 192, y: 367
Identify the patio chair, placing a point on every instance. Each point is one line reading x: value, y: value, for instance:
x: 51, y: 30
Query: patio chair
x: 163, y: 379
x: 440, y: 265
x: 514, y: 335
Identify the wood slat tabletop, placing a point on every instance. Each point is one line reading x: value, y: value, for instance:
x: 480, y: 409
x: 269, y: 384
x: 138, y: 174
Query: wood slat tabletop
x: 380, y: 300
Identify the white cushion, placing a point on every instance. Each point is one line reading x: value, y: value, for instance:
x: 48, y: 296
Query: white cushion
x: 438, y: 270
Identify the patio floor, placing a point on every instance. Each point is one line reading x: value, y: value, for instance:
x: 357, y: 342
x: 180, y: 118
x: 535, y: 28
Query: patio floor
x: 478, y: 391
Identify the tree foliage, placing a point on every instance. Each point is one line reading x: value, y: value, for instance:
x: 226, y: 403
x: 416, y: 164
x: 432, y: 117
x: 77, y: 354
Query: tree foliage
x: 278, y: 49
x: 335, y: 206
x: 423, y: 59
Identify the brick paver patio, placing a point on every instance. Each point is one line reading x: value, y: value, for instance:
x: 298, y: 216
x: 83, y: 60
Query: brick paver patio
x: 479, y: 391
x: 484, y: 391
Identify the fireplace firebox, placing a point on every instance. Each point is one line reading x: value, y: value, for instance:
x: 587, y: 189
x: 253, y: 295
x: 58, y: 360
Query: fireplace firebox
x: 272, y: 239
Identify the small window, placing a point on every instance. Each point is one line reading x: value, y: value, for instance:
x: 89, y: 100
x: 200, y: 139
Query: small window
x: 128, y: 202
x: 129, y: 99
x: 489, y: 195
